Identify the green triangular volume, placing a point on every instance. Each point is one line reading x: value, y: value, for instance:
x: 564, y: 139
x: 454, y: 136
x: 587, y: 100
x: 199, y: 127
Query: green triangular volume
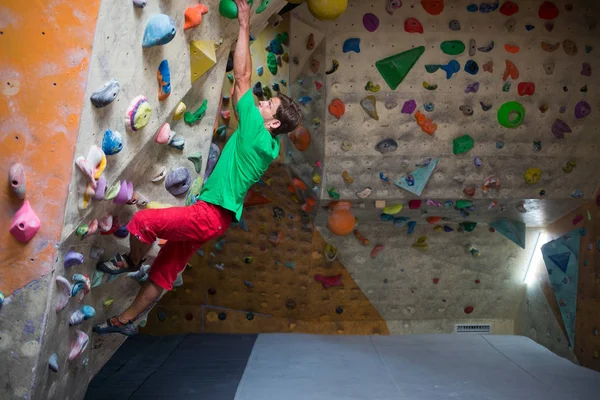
x: 395, y: 68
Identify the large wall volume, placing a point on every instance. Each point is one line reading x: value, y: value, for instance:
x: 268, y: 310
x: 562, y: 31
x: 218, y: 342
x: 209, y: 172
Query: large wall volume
x: 29, y: 317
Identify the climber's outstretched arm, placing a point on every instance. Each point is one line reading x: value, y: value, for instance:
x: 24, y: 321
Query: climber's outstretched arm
x: 242, y: 62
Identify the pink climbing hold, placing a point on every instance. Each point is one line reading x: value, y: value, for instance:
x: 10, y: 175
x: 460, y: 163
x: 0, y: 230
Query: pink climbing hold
x: 79, y: 345
x: 414, y: 204
x: 63, y: 293
x: 25, y: 224
x: 329, y: 281
x: 370, y: 22
x: 548, y: 10
x: 16, y: 179
x: 578, y: 218
x: 164, y: 134
x: 318, y: 85
x: 412, y: 25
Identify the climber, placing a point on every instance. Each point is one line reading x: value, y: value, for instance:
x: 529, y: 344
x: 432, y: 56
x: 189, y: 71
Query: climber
x: 244, y: 159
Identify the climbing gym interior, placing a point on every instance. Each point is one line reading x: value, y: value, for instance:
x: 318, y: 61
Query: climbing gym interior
x: 439, y: 199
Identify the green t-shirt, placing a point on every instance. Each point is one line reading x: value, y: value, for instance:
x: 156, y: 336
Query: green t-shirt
x: 245, y: 158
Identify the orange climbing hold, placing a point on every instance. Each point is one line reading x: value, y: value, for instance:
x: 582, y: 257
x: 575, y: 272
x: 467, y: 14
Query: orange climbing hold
x: 511, y: 49
x: 337, y: 108
x: 300, y: 137
x: 376, y: 250
x: 254, y: 198
x: 193, y: 16
x: 298, y: 184
x: 341, y: 221
x: 434, y: 220
x: 511, y: 71
x: 361, y: 238
x: 307, y: 207
x: 433, y: 7
x: 425, y: 123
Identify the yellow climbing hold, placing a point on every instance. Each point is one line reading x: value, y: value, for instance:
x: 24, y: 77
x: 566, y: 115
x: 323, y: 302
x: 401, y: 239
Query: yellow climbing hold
x: 393, y: 210
x: 316, y: 178
x: 156, y: 204
x: 421, y: 244
x: 212, y: 316
x: 108, y: 302
x: 327, y: 9
x: 202, y: 57
x: 179, y: 110
x: 532, y: 175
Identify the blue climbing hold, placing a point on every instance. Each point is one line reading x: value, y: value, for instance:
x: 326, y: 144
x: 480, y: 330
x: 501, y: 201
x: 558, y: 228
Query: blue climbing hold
x: 499, y: 144
x: 429, y: 107
x: 122, y: 232
x: 400, y: 221
x: 471, y: 67
x: 529, y: 27
x: 451, y: 68
x: 448, y: 203
x: 275, y: 47
x: 88, y: 312
x: 160, y: 30
x: 260, y: 70
x: 112, y: 142
x: 411, y: 226
x: 447, y: 228
x: 386, y: 217
x: 276, y: 87
x: 472, y: 8
x: 488, y: 7
x: 304, y: 100
x: 352, y: 44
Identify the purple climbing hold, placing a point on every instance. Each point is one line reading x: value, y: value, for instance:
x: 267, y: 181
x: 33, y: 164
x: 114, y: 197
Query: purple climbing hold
x: 100, y: 189
x: 559, y: 128
x: 370, y: 22
x: 125, y: 193
x: 409, y: 107
x: 472, y: 88
x: 178, y: 181
x: 122, y: 232
x: 72, y: 258
x: 582, y: 109
x: 562, y: 109
x: 447, y: 228
x: 586, y: 69
x: 477, y: 161
x: 488, y: 7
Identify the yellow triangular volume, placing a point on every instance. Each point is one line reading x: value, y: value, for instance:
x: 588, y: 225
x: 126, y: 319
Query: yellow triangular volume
x: 202, y: 57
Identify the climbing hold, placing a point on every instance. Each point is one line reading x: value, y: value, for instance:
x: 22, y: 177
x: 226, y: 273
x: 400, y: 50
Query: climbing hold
x: 513, y: 49
x: 72, y: 258
x: 569, y: 165
x: 466, y: 110
x: 489, y: 67
x: 390, y: 104
x: 334, y: 67
x: 81, y: 282
x: 193, y: 16
x: 582, y: 109
x: 106, y: 94
x: 472, y: 87
x: 469, y: 191
x: 548, y: 67
x: 486, y: 8
x: 376, y: 250
x: 202, y: 58
x: 304, y: 100
x: 17, y: 180
x: 139, y: 3
x: 537, y: 146
x: 177, y: 141
x: 548, y: 10
x: 138, y: 114
x: 431, y: 68
x: 363, y: 194
x: 511, y: 114
x: 532, y: 175
x: 164, y: 134
x: 328, y: 281
x: 414, y: 204
x: 510, y: 25
x: 260, y: 70
x: 429, y: 107
x: 421, y: 244
x: 485, y: 107
x: 569, y: 47
x: 25, y: 223
x: 526, y: 88
x: 487, y: 48
x: 586, y: 69
x: 392, y: 210
x: 179, y: 110
x: 413, y: 25
x: 191, y: 118
x: 434, y: 220
x: 454, y: 25
x: 395, y: 68
x: 529, y: 27
x: 79, y: 345
x: 577, y: 194
x: 159, y: 173
x: 472, y: 47
x: 477, y: 161
x: 511, y: 71
x: 163, y: 75
x: 426, y: 124
x: 272, y: 63
x: 392, y: 5
x: 428, y: 86
x: 462, y: 144
x: 178, y: 181
x: 452, y: 47
x: 559, y: 128
x: 314, y: 66
x: 160, y: 30
x: 409, y: 107
x: 337, y: 108
x: 509, y: 8
x: 472, y: 8
x: 506, y: 87
x: 433, y: 7
x: 451, y: 68
x: 341, y: 221
x: 369, y: 104
x: 549, y: 48
x: 333, y: 193
x: 327, y: 10
x: 370, y: 22
x: 372, y: 87
x: 112, y: 142
x: 63, y: 293
x: 468, y: 226
x: 228, y: 8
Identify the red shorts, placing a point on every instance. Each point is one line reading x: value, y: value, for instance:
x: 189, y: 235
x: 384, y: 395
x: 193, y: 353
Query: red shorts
x: 186, y: 229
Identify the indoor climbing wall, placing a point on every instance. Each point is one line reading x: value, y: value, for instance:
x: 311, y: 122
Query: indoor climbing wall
x: 126, y: 157
x: 261, y: 278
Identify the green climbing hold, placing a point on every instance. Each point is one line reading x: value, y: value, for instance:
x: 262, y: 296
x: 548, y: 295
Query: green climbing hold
x: 462, y: 144
x: 272, y: 63
x: 468, y: 226
x: 333, y: 194
x: 228, y: 8
x: 395, y: 68
x: 263, y: 6
x: 511, y: 114
x: 196, y: 159
x: 506, y: 87
x: 190, y: 118
x: 460, y: 204
x: 431, y: 68
x: 230, y: 77
x: 452, y: 47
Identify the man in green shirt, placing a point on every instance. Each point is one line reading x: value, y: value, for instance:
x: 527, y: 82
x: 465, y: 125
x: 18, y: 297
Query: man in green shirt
x: 244, y: 159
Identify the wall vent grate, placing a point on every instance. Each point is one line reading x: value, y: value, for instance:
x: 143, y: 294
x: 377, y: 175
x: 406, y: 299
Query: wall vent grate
x: 466, y: 328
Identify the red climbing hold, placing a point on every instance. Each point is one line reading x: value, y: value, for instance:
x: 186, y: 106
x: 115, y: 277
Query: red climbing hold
x: 526, y: 88
x: 578, y: 218
x: 548, y: 10
x: 412, y: 25
x: 433, y: 7
x: 436, y: 281
x: 414, y: 204
x: 477, y: 281
x: 434, y: 220
x: 329, y: 281
x: 376, y: 250
x: 469, y: 309
x: 318, y: 85
x: 509, y: 8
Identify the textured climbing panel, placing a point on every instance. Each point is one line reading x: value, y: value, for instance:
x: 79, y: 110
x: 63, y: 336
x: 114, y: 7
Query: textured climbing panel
x: 202, y: 57
x: 511, y: 229
x: 415, y: 181
x: 393, y: 69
